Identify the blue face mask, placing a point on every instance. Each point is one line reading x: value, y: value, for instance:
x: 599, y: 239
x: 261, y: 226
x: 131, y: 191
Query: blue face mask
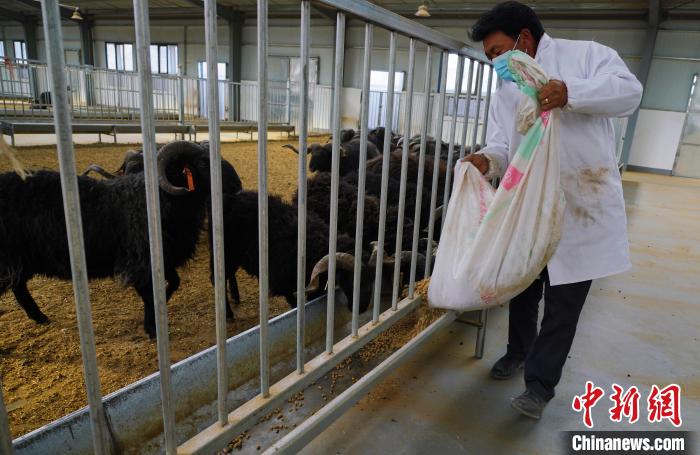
x: 500, y: 64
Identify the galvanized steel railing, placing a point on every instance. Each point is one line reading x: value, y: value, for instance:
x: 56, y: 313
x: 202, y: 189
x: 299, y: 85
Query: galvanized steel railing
x: 229, y: 424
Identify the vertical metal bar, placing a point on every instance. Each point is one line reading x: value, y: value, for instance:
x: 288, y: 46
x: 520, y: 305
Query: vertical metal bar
x: 361, y: 180
x: 181, y: 93
x: 486, y: 108
x: 389, y: 116
x: 262, y: 199
x: 5, y: 435
x: 467, y: 107
x: 288, y: 104
x: 335, y: 171
x: 217, y: 221
x: 404, y: 165
x: 301, y: 184
x: 436, y: 169
x: 479, y: 81
x: 143, y: 40
x: 74, y: 225
x: 448, y: 177
x: 481, y: 334
x: 421, y: 170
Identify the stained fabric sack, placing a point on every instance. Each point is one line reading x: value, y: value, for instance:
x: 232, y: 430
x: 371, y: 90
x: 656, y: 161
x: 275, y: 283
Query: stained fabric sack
x: 495, y: 243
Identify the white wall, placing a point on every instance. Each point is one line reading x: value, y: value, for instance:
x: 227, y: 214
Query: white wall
x: 656, y: 138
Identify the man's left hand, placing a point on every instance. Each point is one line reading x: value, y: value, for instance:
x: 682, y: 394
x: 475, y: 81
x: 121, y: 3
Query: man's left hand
x: 554, y: 94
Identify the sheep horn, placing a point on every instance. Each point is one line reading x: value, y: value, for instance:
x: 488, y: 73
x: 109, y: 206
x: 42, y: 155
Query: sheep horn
x: 130, y: 155
x: 291, y: 147
x: 166, y: 155
x: 99, y: 170
x: 344, y: 261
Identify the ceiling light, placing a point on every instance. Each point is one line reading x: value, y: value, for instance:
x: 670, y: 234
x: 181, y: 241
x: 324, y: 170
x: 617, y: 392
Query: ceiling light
x: 422, y: 11
x: 76, y: 15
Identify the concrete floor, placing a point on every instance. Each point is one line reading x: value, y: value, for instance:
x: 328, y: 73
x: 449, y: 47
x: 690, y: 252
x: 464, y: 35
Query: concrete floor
x: 639, y: 328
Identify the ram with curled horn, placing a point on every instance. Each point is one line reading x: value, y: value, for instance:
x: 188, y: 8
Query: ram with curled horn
x: 115, y: 227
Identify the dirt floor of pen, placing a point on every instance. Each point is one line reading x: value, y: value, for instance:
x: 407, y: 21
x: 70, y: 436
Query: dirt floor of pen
x: 41, y: 366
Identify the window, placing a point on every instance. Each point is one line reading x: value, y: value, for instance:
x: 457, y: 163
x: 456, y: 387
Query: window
x: 379, y: 81
x: 20, y: 48
x: 164, y: 58
x: 452, y: 62
x: 2, y: 49
x: 295, y: 70
x: 283, y: 69
x: 202, y: 70
x: 120, y: 56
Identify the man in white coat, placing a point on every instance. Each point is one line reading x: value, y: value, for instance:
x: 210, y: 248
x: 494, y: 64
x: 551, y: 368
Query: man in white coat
x: 590, y: 84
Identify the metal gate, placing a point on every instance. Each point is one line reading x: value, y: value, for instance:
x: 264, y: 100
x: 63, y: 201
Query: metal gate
x: 230, y: 423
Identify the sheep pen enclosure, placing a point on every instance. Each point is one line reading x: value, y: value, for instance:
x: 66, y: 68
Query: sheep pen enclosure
x: 41, y: 365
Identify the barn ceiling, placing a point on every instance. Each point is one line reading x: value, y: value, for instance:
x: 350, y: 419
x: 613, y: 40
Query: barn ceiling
x: 107, y: 9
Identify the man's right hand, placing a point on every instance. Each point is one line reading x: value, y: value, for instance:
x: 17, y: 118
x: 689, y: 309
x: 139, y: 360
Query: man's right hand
x: 478, y: 160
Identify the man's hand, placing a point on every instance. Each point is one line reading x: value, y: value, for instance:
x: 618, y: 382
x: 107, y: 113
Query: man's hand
x: 478, y: 160
x: 554, y: 94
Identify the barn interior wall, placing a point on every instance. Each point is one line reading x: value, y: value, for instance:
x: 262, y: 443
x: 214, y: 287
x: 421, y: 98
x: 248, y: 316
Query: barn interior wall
x: 677, y: 56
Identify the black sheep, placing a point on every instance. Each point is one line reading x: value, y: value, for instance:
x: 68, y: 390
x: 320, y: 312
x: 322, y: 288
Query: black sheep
x: 322, y: 156
x: 231, y: 184
x: 377, y: 135
x: 241, y: 246
x: 345, y: 135
x: 33, y: 239
x: 318, y: 202
x: 374, y: 179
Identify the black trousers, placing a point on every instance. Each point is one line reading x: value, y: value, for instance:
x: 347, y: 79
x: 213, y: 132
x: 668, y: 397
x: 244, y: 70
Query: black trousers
x: 545, y: 352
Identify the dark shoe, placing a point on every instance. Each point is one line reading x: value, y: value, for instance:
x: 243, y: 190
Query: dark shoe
x: 506, y: 367
x: 529, y: 404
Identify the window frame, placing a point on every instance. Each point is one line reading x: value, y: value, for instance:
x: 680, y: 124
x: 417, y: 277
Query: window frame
x: 167, y: 62
x: 23, y: 48
x: 116, y: 45
x: 203, y: 64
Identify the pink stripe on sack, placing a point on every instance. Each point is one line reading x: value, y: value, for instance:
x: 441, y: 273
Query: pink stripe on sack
x: 511, y: 178
x: 483, y: 208
x: 545, y: 115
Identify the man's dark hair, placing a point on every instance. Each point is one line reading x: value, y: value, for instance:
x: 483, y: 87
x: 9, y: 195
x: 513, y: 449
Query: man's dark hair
x: 510, y: 18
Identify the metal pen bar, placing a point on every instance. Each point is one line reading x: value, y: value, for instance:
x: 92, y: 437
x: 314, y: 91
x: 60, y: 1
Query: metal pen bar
x: 421, y: 170
x: 300, y: 436
x: 389, y: 116
x: 479, y: 80
x: 301, y: 183
x: 410, y: 28
x: 436, y: 168
x: 361, y: 180
x: 481, y: 334
x: 467, y: 106
x: 217, y: 209
x: 263, y: 259
x: 143, y: 41
x: 335, y: 177
x: 74, y: 225
x: 486, y: 108
x: 448, y: 176
x: 404, y: 171
x: 5, y: 435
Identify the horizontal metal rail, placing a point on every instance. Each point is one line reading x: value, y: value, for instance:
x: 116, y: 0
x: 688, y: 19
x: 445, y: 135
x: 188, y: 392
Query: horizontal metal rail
x: 245, y: 416
x: 298, y: 438
x: 407, y: 27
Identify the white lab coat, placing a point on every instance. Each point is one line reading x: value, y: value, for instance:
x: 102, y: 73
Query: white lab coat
x: 600, y: 86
